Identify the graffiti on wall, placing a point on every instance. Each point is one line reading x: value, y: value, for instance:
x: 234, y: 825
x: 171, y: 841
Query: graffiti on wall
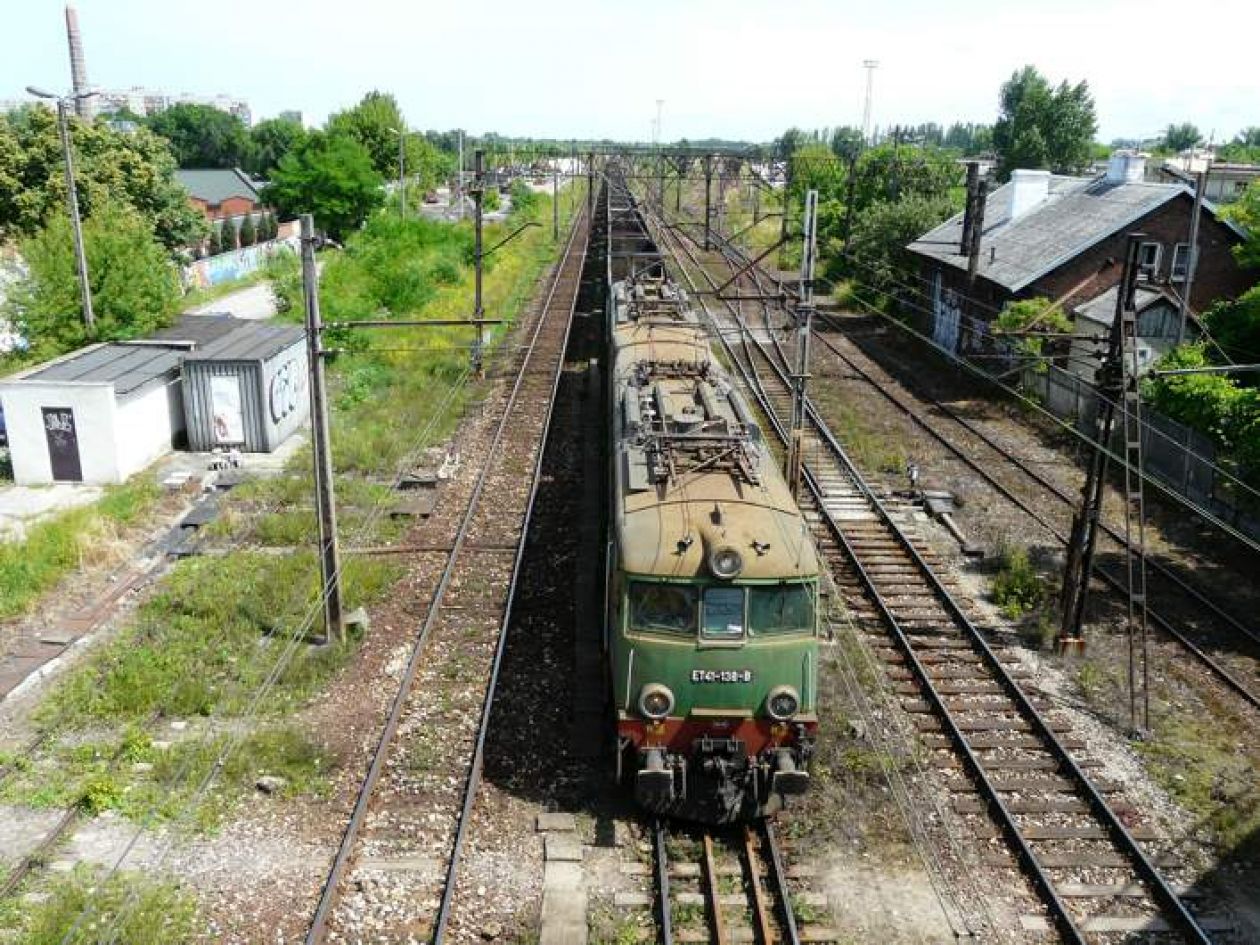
x: 216, y: 270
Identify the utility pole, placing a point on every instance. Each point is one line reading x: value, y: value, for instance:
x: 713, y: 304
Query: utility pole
x: 804, y: 326
x: 555, y: 200
x: 708, y: 195
x: 478, y: 193
x: 459, y: 178
x: 72, y: 199
x: 1117, y: 382
x: 851, y: 196
x: 590, y: 183
x: 329, y: 556
x: 1193, y: 262
x: 76, y: 224
x: 402, y: 176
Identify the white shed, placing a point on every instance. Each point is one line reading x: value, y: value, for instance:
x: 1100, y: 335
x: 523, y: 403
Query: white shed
x: 97, y: 415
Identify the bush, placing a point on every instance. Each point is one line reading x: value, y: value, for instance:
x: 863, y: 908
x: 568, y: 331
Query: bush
x: 1017, y: 588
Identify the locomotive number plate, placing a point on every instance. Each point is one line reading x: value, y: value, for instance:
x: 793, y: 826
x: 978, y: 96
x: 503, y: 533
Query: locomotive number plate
x: 721, y: 675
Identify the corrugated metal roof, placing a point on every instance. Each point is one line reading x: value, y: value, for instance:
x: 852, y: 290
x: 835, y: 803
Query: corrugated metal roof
x: 249, y: 341
x: 127, y: 367
x: 1076, y: 214
x: 199, y: 329
x: 1102, y: 308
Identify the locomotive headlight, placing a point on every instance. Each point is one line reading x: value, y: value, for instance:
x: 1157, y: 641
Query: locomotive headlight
x: 725, y: 562
x: 656, y: 701
x: 783, y: 703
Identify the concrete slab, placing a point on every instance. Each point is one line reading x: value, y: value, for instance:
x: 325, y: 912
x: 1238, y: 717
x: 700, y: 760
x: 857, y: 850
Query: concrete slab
x: 556, y: 820
x: 22, y: 506
x: 562, y: 848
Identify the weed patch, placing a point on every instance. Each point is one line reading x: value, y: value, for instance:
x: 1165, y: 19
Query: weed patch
x: 1017, y: 587
x: 126, y: 908
x: 70, y: 540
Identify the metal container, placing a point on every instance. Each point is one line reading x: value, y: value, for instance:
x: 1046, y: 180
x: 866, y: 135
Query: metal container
x: 246, y: 390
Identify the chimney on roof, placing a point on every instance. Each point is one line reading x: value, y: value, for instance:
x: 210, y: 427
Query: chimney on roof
x: 1029, y: 190
x: 1125, y: 166
x: 78, y: 65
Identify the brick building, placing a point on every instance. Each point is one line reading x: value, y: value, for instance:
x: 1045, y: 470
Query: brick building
x: 1064, y: 238
x: 222, y: 193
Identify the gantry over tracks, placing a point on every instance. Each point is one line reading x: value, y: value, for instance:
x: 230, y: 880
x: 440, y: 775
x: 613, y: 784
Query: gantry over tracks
x: 406, y: 832
x: 1067, y: 831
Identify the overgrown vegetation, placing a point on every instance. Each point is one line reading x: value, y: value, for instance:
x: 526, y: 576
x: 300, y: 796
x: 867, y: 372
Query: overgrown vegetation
x: 1017, y: 587
x: 57, y: 545
x: 213, y: 634
x: 1028, y: 324
x: 128, y: 907
x: 1218, y: 405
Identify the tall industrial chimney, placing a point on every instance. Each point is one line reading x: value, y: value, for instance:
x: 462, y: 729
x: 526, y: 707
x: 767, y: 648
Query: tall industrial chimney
x: 78, y: 66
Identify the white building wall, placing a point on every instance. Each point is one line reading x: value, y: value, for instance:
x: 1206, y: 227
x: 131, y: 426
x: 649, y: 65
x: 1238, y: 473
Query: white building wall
x: 94, y: 422
x: 143, y: 427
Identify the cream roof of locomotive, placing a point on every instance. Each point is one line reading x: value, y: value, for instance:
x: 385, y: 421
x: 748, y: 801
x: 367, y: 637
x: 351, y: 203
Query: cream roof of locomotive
x: 713, y: 508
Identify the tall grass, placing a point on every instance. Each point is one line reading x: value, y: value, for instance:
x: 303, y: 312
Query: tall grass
x: 147, y: 912
x: 69, y: 540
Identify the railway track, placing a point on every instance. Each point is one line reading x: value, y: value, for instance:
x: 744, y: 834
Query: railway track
x: 1071, y: 834
x: 396, y: 869
x: 724, y: 887
x: 1187, y: 615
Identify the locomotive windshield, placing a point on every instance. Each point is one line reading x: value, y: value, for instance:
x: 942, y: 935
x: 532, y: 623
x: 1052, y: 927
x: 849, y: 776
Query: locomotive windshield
x: 786, y: 608
x: 725, y: 611
x: 664, y: 606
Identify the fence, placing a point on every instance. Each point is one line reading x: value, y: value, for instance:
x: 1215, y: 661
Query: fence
x: 1178, y: 456
x: 215, y: 270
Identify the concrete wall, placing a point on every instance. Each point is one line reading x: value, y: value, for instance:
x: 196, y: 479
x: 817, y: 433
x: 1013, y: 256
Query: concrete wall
x: 94, y: 420
x: 145, y: 426
x: 214, y: 270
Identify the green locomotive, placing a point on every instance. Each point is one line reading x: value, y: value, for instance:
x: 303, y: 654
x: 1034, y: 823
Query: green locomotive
x: 713, y: 577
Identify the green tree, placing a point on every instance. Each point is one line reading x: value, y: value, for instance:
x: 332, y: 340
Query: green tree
x: 134, y: 286
x: 249, y: 232
x: 135, y: 169
x: 881, y: 233
x: 1181, y: 137
x: 215, y: 244
x: 202, y: 136
x: 375, y: 123
x: 330, y: 176
x: 1246, y: 213
x: 270, y: 141
x: 227, y: 235
x: 1043, y: 127
x: 1235, y: 326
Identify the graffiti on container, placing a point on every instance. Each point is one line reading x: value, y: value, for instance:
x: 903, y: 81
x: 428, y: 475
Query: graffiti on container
x: 287, y: 387
x: 216, y: 270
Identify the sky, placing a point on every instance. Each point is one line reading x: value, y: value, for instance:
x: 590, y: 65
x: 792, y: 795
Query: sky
x: 739, y: 69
